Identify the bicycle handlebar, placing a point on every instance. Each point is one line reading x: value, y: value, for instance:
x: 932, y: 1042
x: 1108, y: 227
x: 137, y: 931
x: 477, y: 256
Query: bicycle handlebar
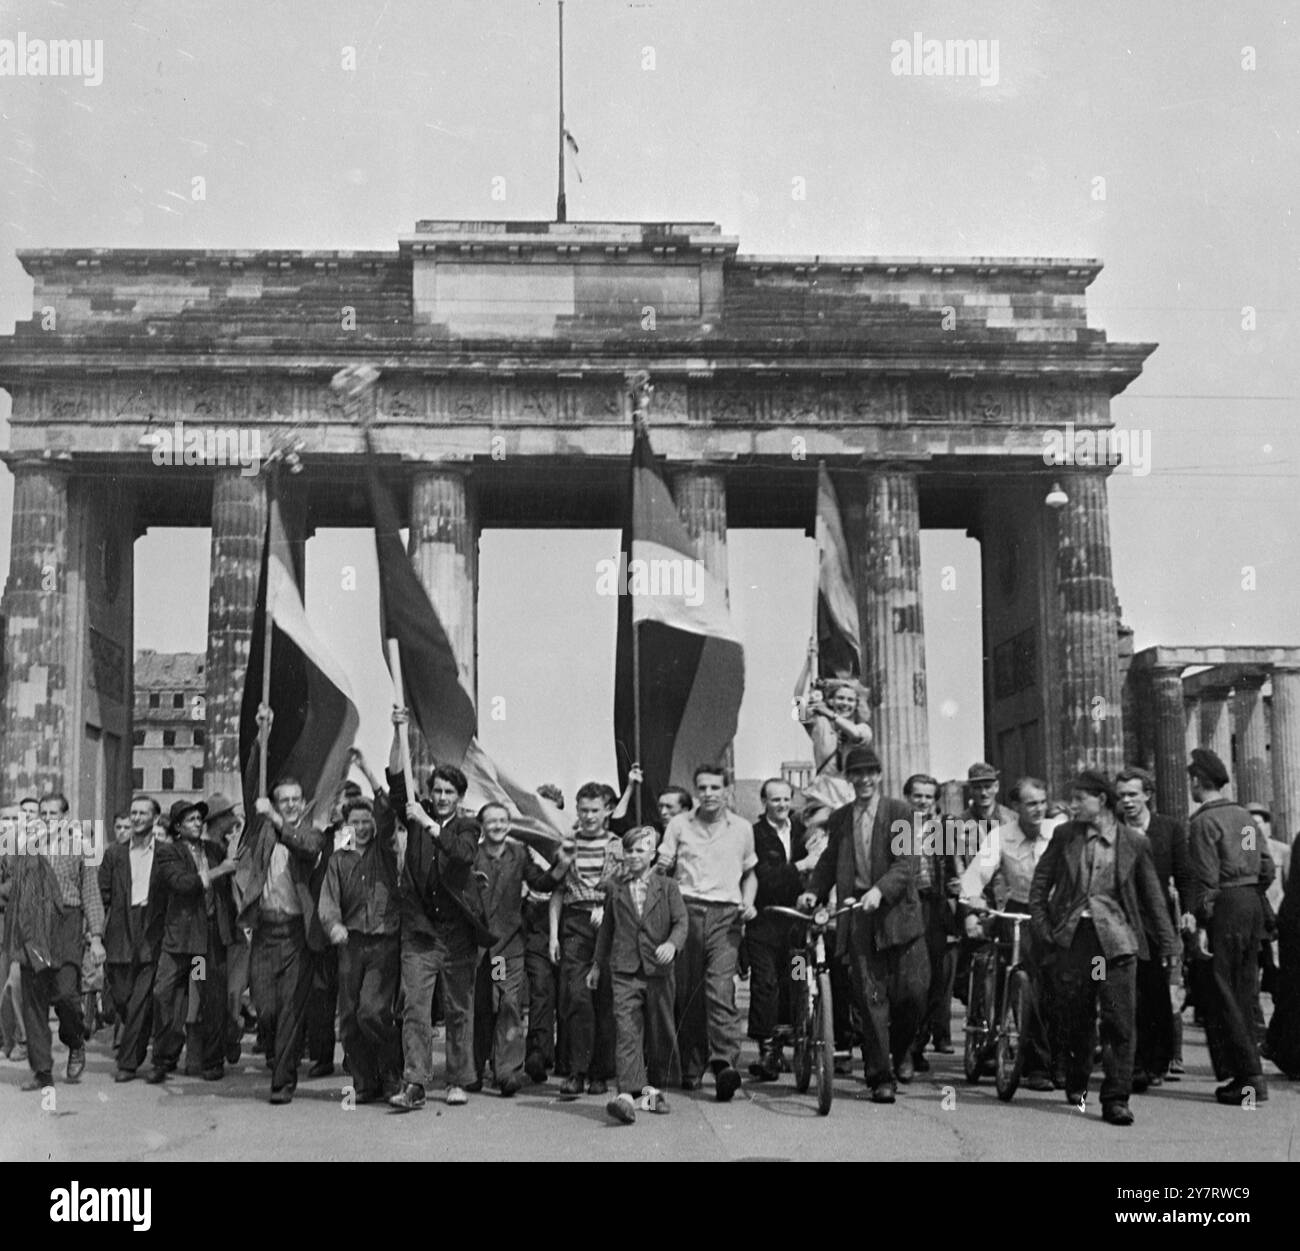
x: 1017, y: 917
x: 807, y: 917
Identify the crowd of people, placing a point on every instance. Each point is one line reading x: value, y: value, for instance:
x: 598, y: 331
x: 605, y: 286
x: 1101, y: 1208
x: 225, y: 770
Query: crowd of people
x: 612, y: 956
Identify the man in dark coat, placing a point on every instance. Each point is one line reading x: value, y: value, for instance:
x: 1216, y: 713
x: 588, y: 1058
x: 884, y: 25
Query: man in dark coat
x: 197, y: 928
x: 1155, y: 1013
x: 782, y: 858
x: 1093, y: 899
x: 134, y: 892
x: 1231, y: 869
x: 884, y: 943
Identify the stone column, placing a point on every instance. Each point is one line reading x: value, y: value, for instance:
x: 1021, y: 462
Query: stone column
x: 1192, y: 719
x: 1254, y: 784
x: 444, y: 550
x: 1170, y: 743
x: 883, y: 531
x: 38, y: 750
x: 1216, y: 725
x: 1285, y: 752
x: 1091, y: 731
x: 701, y: 498
x: 238, y: 531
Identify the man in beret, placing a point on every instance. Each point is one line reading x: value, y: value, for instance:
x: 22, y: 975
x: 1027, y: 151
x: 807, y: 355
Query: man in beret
x: 1231, y: 870
x: 884, y: 943
x: 1094, y: 898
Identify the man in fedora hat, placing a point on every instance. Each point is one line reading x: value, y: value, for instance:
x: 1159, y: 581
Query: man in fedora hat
x: 1093, y: 900
x: 197, y: 928
x: 1231, y: 870
x: 884, y: 943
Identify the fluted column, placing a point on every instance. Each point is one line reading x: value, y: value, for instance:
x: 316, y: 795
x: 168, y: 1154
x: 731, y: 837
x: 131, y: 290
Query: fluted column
x: 1170, y: 743
x: 37, y: 699
x: 1192, y: 719
x: 1091, y: 714
x: 1216, y: 725
x: 701, y: 498
x: 238, y: 530
x: 1254, y: 783
x: 883, y: 531
x: 1284, y: 749
x: 444, y: 550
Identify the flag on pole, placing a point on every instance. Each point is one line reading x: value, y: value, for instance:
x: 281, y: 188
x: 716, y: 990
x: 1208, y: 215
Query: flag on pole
x: 315, y: 720
x: 839, y: 643
x: 692, y: 664
x: 440, y: 706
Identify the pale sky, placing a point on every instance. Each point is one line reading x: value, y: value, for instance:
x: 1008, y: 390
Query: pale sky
x: 708, y: 111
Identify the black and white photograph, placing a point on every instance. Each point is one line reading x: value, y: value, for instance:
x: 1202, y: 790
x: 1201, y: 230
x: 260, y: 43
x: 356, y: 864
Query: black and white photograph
x: 649, y: 581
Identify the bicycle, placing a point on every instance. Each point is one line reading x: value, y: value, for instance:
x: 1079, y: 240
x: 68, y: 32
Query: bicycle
x: 997, y: 1039
x: 814, y: 1029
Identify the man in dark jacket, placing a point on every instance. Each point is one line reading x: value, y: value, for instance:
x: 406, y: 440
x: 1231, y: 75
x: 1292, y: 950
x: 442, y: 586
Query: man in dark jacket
x: 1230, y: 869
x: 1093, y: 899
x: 884, y: 943
x: 1155, y: 1013
x: 782, y: 858
x: 443, y: 926
x: 197, y: 928
x: 135, y: 903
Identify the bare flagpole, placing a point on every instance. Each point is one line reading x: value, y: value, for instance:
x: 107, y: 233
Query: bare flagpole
x: 561, y: 203
x: 641, y: 389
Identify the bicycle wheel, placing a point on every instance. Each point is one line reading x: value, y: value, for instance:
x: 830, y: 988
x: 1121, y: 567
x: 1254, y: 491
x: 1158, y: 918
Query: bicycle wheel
x: 974, y: 1031
x: 801, y: 1060
x: 1011, y: 1037
x: 823, y: 1045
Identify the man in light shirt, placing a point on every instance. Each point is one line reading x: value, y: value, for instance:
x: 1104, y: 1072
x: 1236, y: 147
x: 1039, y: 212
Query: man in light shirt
x: 1006, y: 861
x: 710, y: 853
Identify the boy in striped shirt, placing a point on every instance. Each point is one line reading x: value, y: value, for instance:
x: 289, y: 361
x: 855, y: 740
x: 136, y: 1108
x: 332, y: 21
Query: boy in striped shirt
x: 576, y: 914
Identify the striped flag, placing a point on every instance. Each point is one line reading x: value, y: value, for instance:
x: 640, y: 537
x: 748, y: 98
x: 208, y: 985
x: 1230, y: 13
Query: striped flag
x: 692, y: 664
x: 440, y: 706
x: 315, y: 721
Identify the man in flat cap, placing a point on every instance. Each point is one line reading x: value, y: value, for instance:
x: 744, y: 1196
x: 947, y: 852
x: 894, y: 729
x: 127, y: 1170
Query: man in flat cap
x: 1094, y: 898
x: 884, y: 943
x: 1231, y: 870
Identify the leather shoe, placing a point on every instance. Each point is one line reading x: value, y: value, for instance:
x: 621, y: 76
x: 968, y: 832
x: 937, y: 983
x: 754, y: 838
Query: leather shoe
x: 322, y: 1068
x: 535, y: 1067
x: 1076, y: 1097
x: 573, y: 1085
x: 409, y: 1099
x: 232, y: 1052
x: 213, y: 1075
x: 124, y: 1075
x: 475, y: 1087
x: 767, y: 1068
x: 1140, y: 1083
x: 920, y: 1063
x: 510, y: 1085
x: 883, y: 1092
x: 622, y: 1109
x: 906, y: 1070
x: 597, y: 1086
x: 690, y: 1083
x: 156, y: 1076
x: 282, y: 1096
x: 1116, y: 1114
x: 1236, y: 1093
x: 727, y: 1083
x: 76, y: 1063
x: 1039, y: 1081
x: 38, y: 1081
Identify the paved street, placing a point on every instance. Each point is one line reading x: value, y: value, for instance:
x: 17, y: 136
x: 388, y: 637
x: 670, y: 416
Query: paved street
x: 189, y: 1119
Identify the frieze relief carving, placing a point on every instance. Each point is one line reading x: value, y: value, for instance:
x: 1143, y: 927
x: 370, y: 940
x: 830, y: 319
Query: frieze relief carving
x: 928, y: 403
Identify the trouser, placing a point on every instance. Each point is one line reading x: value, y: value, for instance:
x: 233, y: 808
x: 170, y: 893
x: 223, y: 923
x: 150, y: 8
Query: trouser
x: 540, y: 973
x: 130, y: 987
x: 889, y: 988
x: 177, y: 972
x: 451, y: 952
x: 498, y: 1016
x: 58, y: 986
x: 936, y: 1017
x: 770, y: 966
x: 1036, y: 1031
x: 588, y: 1014
x: 237, y: 962
x: 322, y: 1005
x: 1232, y: 985
x: 846, y: 1033
x: 708, y: 1022
x: 1086, y: 980
x: 279, y: 970
x: 1155, y: 1017
x: 368, y: 969
x: 12, y: 1029
x: 645, y: 1032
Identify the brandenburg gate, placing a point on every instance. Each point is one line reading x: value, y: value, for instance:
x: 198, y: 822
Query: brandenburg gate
x: 926, y: 385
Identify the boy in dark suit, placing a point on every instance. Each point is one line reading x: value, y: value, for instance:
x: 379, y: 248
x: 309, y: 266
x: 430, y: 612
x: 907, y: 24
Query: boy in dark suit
x: 504, y: 867
x: 641, y: 933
